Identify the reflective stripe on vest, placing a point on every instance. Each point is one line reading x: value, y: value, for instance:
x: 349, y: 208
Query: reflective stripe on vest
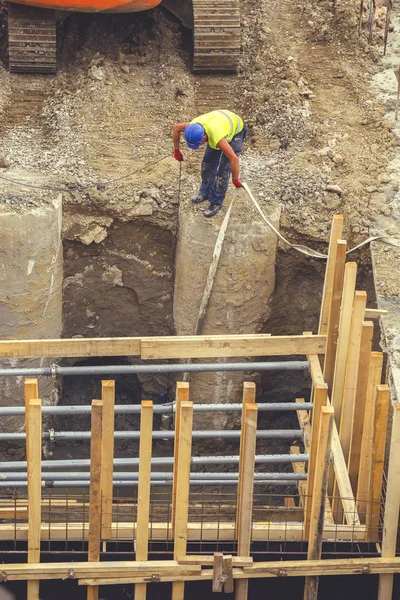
x: 239, y: 125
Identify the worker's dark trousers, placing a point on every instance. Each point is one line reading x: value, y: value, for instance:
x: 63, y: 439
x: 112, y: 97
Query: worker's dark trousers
x: 215, y: 170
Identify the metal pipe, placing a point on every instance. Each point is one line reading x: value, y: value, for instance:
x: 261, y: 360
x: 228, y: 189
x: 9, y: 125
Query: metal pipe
x: 134, y: 476
x: 54, y: 370
x: 121, y: 409
x: 273, y: 434
x: 158, y: 461
x: 86, y: 484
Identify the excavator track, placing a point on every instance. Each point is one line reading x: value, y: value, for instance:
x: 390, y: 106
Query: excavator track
x: 32, y: 44
x: 216, y: 36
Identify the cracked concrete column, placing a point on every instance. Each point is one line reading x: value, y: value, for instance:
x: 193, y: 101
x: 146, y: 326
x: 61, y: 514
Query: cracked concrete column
x: 30, y: 286
x: 243, y: 285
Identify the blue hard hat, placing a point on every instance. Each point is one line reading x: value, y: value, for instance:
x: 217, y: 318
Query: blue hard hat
x: 194, y: 134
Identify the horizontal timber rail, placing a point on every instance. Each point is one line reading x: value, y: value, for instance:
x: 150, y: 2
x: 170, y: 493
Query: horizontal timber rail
x: 54, y: 370
x: 134, y: 409
x: 177, y: 347
x: 111, y: 572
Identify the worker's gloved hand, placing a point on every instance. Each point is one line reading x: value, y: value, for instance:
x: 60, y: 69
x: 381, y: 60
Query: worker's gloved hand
x: 236, y: 183
x: 178, y: 155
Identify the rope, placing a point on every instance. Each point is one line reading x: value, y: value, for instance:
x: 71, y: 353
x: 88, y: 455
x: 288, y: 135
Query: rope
x: 80, y: 188
x: 309, y: 251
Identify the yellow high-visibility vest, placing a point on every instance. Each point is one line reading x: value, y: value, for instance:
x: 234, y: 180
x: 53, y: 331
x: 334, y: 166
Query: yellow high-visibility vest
x: 220, y: 125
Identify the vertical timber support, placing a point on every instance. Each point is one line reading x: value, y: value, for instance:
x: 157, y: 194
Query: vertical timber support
x: 249, y: 397
x: 143, y: 495
x: 34, y: 446
x: 182, y: 395
x: 31, y: 392
x: 245, y: 491
x: 182, y: 490
x: 364, y: 492
x: 391, y: 518
x: 367, y: 331
x: 380, y: 435
x: 107, y: 457
x: 95, y: 491
x: 319, y: 497
x: 336, y: 234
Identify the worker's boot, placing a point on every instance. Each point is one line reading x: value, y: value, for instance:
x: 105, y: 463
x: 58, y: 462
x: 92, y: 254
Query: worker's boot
x: 198, y: 198
x: 212, y: 210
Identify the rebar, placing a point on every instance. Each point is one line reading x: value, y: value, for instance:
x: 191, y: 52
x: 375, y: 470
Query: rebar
x: 166, y: 483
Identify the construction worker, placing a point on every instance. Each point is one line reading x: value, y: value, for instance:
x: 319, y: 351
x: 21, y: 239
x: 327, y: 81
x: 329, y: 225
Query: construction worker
x: 224, y: 132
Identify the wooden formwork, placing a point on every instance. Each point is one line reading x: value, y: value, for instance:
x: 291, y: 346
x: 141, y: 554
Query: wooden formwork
x: 344, y: 436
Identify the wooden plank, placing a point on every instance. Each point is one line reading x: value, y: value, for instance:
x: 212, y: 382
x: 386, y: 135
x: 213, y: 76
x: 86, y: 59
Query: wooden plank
x: 34, y: 469
x: 215, y: 346
x: 107, y: 453
x: 182, y: 395
x: 367, y: 443
x: 248, y: 452
x: 374, y: 313
x: 95, y: 491
x: 75, y: 347
x: 317, y: 377
x: 336, y: 234
x: 299, y: 467
x: 182, y: 490
x: 380, y: 434
x: 227, y: 573
x: 320, y: 400
x: 248, y: 397
x: 217, y: 581
x: 343, y: 339
x: 208, y: 561
x: 143, y: 503
x: 359, y: 403
x: 319, y: 496
x: 391, y: 518
x: 18, y: 513
x: 31, y: 392
x: 334, y: 314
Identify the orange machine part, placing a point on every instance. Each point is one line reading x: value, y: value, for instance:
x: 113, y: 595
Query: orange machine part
x: 114, y: 6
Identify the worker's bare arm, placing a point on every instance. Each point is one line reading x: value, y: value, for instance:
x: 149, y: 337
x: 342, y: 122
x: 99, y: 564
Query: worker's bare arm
x: 177, y: 130
x: 233, y: 159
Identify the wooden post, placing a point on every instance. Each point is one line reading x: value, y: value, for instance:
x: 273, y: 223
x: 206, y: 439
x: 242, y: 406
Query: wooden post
x: 182, y: 395
x: 343, y: 339
x: 336, y: 234
x: 380, y: 433
x: 334, y: 314
x: 319, y: 497
x: 367, y: 443
x: 143, y: 503
x: 182, y: 490
x: 107, y: 454
x: 248, y: 397
x: 34, y: 474
x: 245, y: 491
x: 31, y: 392
x: 359, y: 403
x: 95, y: 491
x: 320, y: 400
x: 391, y: 519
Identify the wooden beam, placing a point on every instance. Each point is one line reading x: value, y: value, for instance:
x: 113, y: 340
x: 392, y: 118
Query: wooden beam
x: 320, y: 400
x: 317, y: 377
x: 208, y: 561
x: 380, y: 434
x: 107, y: 454
x: 248, y: 397
x: 182, y: 490
x: 319, y: 496
x: 367, y: 443
x: 246, y: 489
x: 391, y: 518
x: 359, y: 403
x: 334, y: 314
x: 375, y: 313
x: 214, y: 346
x: 336, y: 234
x: 143, y: 498
x: 31, y: 392
x: 75, y: 347
x: 182, y: 395
x: 95, y: 491
x: 299, y: 467
x: 343, y: 339
x: 34, y: 474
